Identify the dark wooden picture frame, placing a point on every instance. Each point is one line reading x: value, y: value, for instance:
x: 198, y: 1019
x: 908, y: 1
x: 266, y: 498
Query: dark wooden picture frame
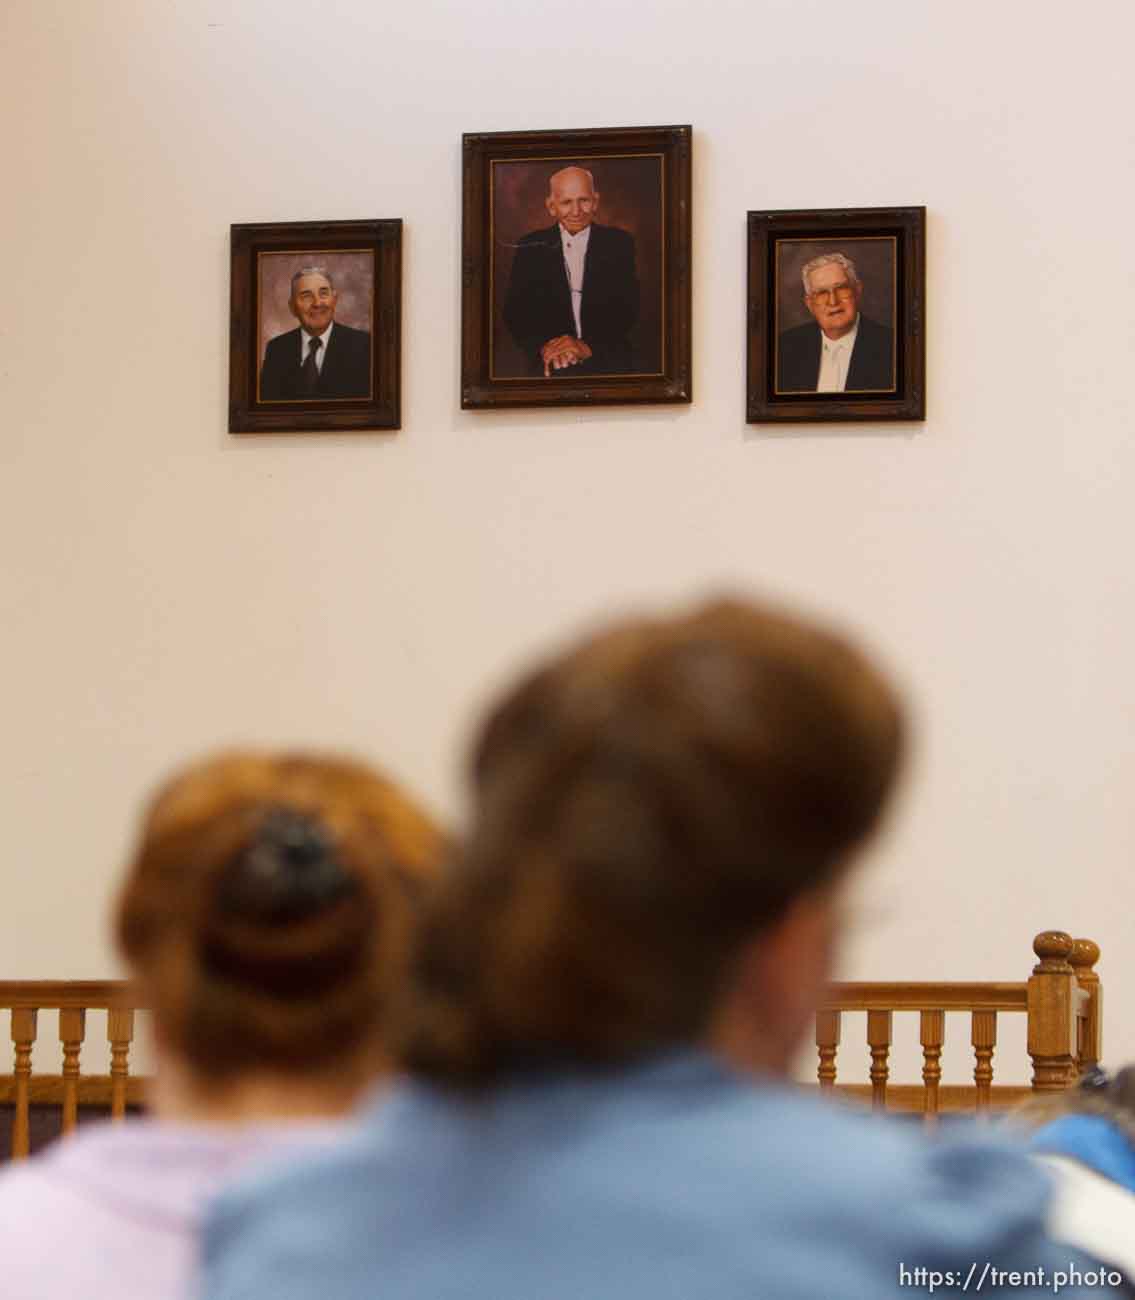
x: 358, y: 383
x: 875, y: 259
x: 632, y: 270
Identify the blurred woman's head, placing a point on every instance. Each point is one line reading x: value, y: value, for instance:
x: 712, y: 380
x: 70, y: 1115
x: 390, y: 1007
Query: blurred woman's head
x: 266, y: 916
x: 647, y: 805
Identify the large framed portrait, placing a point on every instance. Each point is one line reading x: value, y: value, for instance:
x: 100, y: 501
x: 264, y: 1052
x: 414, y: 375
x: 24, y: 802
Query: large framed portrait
x: 837, y: 315
x: 315, y: 326
x: 576, y: 267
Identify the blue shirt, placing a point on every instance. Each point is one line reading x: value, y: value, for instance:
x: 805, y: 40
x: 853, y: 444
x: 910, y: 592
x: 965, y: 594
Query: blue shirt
x: 671, y: 1180
x: 1092, y: 1140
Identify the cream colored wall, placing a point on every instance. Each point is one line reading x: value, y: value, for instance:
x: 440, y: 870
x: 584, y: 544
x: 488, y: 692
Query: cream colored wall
x: 168, y: 587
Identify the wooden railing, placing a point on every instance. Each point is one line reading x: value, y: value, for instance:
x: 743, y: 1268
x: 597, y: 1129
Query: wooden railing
x: 72, y: 999
x: 1062, y: 1000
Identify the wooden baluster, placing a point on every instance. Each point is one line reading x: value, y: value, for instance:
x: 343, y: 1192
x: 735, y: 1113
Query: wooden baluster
x: 120, y: 1032
x: 72, y: 1031
x: 931, y: 1033
x: 983, y: 1036
x: 1052, y: 1013
x: 827, y: 1042
x: 879, y: 1040
x: 1083, y: 958
x: 23, y: 1035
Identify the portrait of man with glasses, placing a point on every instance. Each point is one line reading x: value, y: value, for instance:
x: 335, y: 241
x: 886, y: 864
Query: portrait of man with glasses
x: 840, y: 350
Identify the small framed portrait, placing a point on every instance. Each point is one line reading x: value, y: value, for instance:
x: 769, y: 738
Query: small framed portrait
x: 837, y: 315
x: 315, y: 326
x: 576, y: 267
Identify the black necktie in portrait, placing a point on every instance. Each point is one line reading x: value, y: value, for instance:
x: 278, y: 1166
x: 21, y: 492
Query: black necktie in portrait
x: 309, y: 371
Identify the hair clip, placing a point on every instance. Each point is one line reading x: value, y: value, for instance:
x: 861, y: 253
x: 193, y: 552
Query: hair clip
x: 290, y: 870
x: 295, y: 839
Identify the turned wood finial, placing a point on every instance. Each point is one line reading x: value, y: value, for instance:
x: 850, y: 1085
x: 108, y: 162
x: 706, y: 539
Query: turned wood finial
x: 1089, y: 1025
x: 1053, y: 947
x: 1053, y: 1031
x: 1084, y: 956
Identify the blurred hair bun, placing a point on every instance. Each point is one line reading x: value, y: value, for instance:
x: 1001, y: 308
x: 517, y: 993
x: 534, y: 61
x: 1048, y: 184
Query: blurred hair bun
x: 268, y: 908
x: 290, y: 870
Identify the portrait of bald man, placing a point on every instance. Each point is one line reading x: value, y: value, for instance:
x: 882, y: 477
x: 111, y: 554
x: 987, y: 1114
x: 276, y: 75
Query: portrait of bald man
x: 573, y: 293
x: 322, y: 358
x: 840, y: 350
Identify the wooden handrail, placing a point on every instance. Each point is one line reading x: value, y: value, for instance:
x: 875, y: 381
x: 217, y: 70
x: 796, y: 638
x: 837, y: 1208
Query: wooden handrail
x: 927, y: 996
x: 63, y: 995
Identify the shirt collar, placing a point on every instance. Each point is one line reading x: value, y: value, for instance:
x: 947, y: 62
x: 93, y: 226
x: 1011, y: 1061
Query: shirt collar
x: 306, y: 337
x: 579, y: 241
x: 833, y: 345
x: 687, y: 1067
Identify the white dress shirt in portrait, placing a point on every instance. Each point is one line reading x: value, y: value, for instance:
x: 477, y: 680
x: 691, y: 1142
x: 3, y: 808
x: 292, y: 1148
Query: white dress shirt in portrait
x: 575, y: 254
x: 835, y: 358
x: 320, y: 353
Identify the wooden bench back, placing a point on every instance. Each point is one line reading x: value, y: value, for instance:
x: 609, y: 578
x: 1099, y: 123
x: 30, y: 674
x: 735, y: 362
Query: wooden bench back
x: 1062, y: 1000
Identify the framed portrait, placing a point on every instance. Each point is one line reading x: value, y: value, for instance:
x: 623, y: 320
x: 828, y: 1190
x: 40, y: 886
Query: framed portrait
x: 315, y: 332
x: 576, y: 267
x: 837, y: 315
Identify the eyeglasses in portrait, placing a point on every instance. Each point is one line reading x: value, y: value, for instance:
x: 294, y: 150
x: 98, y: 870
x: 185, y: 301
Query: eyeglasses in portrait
x: 835, y: 315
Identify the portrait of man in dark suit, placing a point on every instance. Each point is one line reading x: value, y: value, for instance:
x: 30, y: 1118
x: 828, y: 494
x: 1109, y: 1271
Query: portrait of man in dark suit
x: 840, y: 350
x: 323, y: 358
x: 572, y: 303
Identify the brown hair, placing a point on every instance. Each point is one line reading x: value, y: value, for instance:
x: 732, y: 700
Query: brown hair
x: 268, y: 907
x: 645, y: 803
